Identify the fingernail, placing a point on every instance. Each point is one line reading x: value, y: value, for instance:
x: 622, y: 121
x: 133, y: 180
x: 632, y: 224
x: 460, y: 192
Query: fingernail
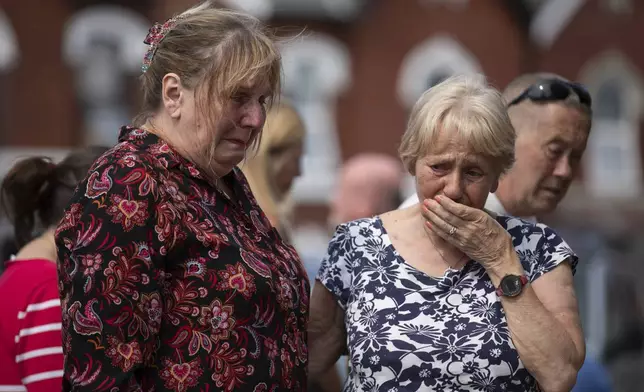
x: 437, y: 197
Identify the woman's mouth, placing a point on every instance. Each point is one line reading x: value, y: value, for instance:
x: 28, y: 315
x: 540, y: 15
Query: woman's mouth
x: 237, y: 142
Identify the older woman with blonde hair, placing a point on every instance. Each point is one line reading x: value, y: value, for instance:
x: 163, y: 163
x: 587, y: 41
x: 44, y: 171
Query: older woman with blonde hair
x: 271, y: 170
x: 172, y: 278
x: 444, y: 295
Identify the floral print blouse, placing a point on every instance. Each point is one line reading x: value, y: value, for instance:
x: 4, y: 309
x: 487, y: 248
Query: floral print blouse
x: 408, y: 331
x: 168, y: 285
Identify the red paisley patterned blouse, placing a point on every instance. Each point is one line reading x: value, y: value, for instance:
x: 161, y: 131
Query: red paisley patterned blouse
x: 167, y: 285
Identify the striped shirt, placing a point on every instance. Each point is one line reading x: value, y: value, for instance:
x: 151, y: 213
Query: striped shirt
x: 31, y: 354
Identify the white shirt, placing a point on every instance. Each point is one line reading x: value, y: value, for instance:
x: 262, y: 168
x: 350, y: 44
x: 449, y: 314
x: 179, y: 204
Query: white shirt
x: 493, y: 204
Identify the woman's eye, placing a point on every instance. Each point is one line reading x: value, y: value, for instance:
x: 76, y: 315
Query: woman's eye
x: 240, y: 98
x: 439, y: 168
x: 474, y: 173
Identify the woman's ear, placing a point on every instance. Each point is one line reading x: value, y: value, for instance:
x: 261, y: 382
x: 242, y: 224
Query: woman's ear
x: 172, y: 95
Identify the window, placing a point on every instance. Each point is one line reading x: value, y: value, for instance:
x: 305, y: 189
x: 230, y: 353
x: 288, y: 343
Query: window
x: 316, y: 71
x: 432, y: 61
x: 613, y: 159
x: 103, y: 44
x: 437, y: 77
x: 609, y: 103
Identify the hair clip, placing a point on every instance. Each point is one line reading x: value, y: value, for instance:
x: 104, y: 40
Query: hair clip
x: 156, y: 34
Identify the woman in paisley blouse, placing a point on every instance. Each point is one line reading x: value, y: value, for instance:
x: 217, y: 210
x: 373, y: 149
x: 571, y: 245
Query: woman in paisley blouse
x: 444, y: 295
x: 172, y: 278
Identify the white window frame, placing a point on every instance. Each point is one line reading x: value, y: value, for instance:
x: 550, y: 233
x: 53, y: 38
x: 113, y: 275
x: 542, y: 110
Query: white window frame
x: 125, y: 25
x: 620, y: 139
x: 437, y: 54
x: 106, y: 112
x: 621, y: 134
x: 332, y: 67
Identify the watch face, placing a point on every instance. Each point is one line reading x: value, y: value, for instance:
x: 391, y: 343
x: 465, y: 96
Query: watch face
x: 511, y: 285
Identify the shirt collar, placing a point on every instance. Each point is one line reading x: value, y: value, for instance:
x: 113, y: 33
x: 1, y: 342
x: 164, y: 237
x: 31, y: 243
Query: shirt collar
x: 163, y: 151
x: 494, y: 204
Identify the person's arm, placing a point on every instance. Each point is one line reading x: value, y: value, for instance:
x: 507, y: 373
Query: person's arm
x: 327, y: 334
x: 326, y: 331
x: 111, y: 271
x: 544, y: 324
x: 543, y: 320
x: 39, y: 354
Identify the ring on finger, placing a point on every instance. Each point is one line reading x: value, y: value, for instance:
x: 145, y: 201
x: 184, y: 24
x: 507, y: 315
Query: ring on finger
x: 452, y: 230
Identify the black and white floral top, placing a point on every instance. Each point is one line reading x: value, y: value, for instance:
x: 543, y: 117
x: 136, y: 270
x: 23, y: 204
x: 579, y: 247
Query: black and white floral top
x: 407, y: 331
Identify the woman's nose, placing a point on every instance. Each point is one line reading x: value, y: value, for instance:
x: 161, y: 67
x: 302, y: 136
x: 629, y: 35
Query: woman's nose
x: 254, y: 116
x: 453, y: 187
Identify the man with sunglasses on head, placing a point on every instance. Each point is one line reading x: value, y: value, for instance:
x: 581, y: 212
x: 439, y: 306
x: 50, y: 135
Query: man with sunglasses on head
x: 552, y: 118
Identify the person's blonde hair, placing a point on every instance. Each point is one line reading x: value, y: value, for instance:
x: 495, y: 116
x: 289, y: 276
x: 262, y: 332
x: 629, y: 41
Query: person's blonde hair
x: 465, y: 104
x: 214, y: 51
x: 284, y: 127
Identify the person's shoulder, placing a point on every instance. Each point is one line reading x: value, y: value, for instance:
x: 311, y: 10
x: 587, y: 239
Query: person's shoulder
x: 358, y: 229
x: 44, y: 266
x: 124, y: 165
x: 127, y: 156
x: 539, y: 247
x: 521, y: 226
x: 510, y: 222
x: 520, y: 229
x: 358, y: 224
x: 30, y: 272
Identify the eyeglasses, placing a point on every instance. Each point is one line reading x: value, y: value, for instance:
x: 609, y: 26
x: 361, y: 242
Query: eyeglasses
x: 551, y: 90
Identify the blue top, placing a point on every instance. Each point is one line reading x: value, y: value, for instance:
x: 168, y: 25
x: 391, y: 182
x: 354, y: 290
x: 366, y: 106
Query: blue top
x: 593, y: 377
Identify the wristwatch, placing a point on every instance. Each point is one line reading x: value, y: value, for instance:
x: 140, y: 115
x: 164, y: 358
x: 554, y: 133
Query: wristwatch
x: 511, y: 285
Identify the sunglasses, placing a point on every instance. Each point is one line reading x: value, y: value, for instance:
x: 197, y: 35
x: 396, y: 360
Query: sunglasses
x: 551, y: 90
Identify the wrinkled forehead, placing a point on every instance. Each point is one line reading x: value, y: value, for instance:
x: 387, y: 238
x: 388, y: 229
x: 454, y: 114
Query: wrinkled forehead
x: 568, y: 124
x: 450, y: 142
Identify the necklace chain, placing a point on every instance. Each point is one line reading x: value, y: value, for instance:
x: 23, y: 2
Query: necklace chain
x: 443, y: 257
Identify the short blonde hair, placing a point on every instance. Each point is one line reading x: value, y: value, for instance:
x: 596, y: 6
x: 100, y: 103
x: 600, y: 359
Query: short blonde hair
x: 466, y: 104
x: 214, y: 51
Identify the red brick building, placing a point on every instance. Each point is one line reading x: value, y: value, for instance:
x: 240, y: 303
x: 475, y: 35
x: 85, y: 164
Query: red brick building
x: 68, y: 71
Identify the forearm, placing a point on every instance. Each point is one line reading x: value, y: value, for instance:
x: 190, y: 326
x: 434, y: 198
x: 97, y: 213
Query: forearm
x: 325, y: 348
x: 329, y: 382
x: 544, y: 345
x: 326, y: 334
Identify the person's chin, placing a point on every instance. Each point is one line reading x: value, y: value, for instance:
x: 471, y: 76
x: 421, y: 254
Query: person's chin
x: 546, y: 204
x: 229, y: 158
